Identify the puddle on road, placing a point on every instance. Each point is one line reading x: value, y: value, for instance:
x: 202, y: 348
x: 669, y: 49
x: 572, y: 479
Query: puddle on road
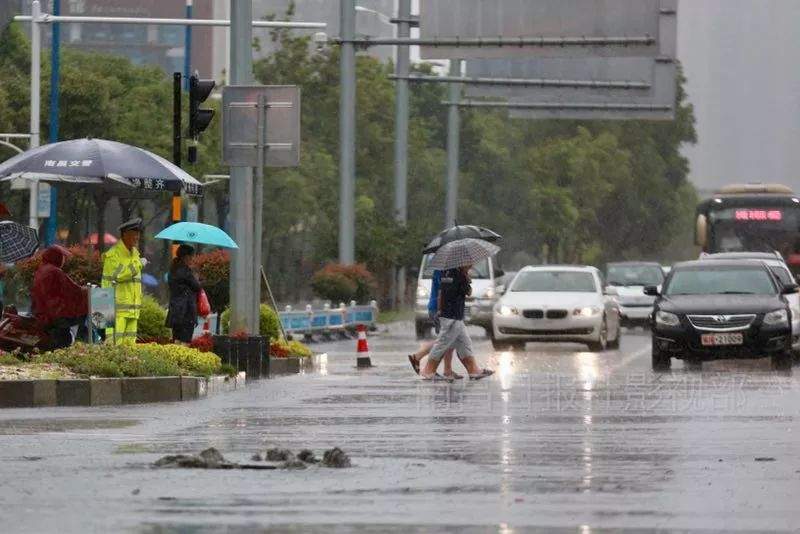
x: 10, y: 427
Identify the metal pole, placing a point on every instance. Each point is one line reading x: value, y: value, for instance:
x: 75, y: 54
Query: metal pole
x: 177, y: 126
x: 241, y: 182
x: 258, y: 209
x: 46, y: 19
x: 401, y: 137
x: 453, y: 134
x: 187, y: 47
x: 36, y: 70
x: 347, y: 133
x: 55, y: 68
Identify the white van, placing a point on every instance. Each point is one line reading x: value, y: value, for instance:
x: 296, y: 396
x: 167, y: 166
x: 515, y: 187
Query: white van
x: 479, y: 306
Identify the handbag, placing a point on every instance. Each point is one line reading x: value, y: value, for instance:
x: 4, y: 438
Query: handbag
x: 203, y: 305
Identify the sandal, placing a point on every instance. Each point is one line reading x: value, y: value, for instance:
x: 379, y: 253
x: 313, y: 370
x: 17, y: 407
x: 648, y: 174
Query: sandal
x: 483, y: 374
x: 436, y: 378
x: 414, y: 363
x: 454, y: 376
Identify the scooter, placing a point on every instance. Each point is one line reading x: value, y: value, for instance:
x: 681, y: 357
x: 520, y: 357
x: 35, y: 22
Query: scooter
x: 22, y: 332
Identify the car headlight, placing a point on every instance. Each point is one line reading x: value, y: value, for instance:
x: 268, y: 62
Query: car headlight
x: 507, y: 311
x: 589, y: 311
x: 667, y: 319
x: 777, y: 318
x: 489, y: 294
x: 422, y: 292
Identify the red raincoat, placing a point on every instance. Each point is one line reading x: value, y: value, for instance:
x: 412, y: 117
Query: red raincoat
x: 54, y: 294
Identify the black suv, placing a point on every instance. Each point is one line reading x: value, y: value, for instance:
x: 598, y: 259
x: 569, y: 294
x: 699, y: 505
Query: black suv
x: 722, y: 309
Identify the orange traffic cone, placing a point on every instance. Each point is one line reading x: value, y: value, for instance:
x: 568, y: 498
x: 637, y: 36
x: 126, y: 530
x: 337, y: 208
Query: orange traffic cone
x: 362, y: 350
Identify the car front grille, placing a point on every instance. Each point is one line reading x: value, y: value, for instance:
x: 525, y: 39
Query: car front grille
x: 549, y: 332
x: 556, y: 314
x: 533, y: 314
x: 721, y: 323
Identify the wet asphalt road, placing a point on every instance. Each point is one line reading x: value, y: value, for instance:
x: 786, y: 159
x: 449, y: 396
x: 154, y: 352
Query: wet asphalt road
x: 559, y: 439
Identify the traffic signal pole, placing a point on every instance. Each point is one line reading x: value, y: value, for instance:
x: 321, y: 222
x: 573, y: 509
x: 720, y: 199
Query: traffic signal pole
x: 176, y: 145
x: 36, y: 70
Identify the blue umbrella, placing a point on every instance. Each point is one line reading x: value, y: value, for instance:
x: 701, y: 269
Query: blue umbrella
x: 192, y: 232
x: 149, y: 280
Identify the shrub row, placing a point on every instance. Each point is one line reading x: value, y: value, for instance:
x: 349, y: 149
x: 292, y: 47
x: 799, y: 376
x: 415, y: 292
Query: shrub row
x: 147, y: 359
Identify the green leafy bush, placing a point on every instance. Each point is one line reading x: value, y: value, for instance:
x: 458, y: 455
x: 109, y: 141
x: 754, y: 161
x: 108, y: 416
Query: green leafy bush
x: 269, y: 323
x: 152, y: 319
x: 148, y: 359
x: 343, y: 283
x: 286, y: 348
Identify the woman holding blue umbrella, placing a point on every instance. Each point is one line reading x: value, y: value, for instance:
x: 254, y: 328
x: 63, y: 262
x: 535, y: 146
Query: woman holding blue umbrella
x: 183, y: 291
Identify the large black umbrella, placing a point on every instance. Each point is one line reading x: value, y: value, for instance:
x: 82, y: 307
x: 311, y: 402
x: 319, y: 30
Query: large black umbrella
x: 463, y: 231
x: 119, y: 169
x: 17, y: 242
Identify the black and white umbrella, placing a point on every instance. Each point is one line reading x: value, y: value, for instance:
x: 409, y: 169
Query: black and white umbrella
x: 463, y: 231
x: 17, y: 242
x: 462, y: 252
x: 120, y: 169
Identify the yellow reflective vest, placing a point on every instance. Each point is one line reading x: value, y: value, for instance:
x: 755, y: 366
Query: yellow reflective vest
x: 122, y: 269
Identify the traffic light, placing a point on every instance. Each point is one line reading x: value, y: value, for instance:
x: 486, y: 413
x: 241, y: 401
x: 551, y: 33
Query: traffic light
x: 199, y: 119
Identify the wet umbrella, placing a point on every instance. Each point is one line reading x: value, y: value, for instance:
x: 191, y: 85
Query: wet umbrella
x: 462, y: 252
x: 91, y: 239
x: 463, y: 231
x: 120, y: 169
x: 193, y: 232
x: 17, y: 242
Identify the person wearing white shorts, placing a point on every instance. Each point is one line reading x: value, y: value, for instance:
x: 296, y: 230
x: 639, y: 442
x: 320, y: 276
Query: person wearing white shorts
x: 454, y: 288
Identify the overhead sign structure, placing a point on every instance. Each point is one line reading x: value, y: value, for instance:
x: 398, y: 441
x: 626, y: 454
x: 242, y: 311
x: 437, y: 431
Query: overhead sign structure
x: 587, y: 88
x: 270, y: 110
x: 566, y: 28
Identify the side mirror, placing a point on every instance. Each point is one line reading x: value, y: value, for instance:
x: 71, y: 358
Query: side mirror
x: 500, y: 290
x: 652, y: 291
x: 790, y: 289
x: 498, y: 273
x: 611, y: 291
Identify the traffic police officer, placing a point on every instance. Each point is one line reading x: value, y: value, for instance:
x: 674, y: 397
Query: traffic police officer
x: 122, y: 270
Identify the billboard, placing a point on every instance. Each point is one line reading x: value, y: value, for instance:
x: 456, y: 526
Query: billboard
x: 549, y: 20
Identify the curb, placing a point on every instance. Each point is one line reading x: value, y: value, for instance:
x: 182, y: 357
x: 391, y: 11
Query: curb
x: 113, y: 391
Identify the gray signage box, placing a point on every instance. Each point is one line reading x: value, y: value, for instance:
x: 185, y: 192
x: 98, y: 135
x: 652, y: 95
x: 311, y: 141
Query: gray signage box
x: 279, y: 119
x: 468, y: 19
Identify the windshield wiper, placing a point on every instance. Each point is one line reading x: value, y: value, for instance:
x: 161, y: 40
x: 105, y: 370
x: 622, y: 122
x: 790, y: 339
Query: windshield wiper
x: 736, y: 293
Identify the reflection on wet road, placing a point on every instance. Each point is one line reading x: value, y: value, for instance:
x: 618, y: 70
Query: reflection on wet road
x: 559, y: 437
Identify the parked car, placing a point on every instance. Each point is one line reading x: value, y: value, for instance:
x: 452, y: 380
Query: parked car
x: 478, y: 306
x: 780, y: 269
x: 558, y: 304
x: 630, y: 278
x: 710, y: 310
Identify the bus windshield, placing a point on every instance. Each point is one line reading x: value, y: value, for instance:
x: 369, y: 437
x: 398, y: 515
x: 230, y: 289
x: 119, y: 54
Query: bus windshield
x: 754, y: 229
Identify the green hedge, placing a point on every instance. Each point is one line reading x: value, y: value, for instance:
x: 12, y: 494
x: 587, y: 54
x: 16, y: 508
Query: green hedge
x: 152, y: 321
x: 146, y: 359
x: 269, y: 323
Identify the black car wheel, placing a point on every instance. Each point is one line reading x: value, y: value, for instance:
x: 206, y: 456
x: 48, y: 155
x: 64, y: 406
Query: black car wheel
x: 661, y: 360
x: 782, y: 361
x: 614, y: 345
x: 602, y: 343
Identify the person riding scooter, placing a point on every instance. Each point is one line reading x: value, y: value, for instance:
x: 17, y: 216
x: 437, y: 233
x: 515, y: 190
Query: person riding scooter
x: 57, y: 301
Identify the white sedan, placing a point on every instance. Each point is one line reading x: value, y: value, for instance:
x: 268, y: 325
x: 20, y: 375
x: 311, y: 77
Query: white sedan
x: 559, y: 304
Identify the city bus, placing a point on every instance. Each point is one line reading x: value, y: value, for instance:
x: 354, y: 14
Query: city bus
x: 751, y: 218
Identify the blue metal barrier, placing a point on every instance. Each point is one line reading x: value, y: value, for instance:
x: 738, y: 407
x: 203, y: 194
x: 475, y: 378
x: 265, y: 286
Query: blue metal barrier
x: 328, y: 320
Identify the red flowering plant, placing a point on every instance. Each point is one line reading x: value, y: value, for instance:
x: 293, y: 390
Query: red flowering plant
x: 343, y: 283
x: 214, y: 271
x: 84, y: 265
x: 203, y: 343
x: 277, y: 350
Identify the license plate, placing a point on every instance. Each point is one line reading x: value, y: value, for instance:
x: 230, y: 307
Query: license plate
x: 717, y: 340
